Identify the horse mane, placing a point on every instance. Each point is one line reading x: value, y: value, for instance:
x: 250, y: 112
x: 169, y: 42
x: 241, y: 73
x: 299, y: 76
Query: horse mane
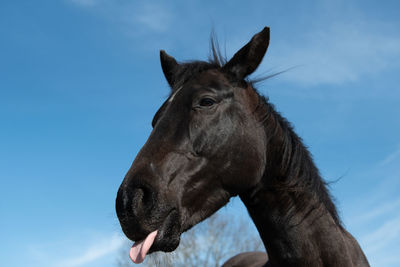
x: 297, y: 166
x: 297, y: 163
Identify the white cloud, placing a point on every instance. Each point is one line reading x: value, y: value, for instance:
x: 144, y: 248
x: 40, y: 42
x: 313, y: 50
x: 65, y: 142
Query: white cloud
x: 382, y: 236
x: 76, y: 252
x: 390, y: 158
x: 377, y: 211
x: 138, y: 17
x: 331, y: 51
x: 93, y: 252
x: 153, y: 17
x: 339, y: 52
x: 376, y: 217
x: 382, y: 245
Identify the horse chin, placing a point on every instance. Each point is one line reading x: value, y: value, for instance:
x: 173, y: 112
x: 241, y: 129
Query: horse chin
x: 168, y: 236
x: 166, y: 245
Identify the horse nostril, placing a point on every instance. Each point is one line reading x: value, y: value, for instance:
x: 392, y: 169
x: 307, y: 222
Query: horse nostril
x: 138, y: 196
x: 142, y: 200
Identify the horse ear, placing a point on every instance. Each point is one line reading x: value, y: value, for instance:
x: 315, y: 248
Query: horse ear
x: 247, y: 59
x: 169, y: 67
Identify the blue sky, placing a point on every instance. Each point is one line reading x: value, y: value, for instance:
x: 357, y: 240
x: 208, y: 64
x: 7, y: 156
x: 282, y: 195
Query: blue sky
x: 80, y: 81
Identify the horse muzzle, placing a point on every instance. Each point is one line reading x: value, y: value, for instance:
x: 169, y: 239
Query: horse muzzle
x: 142, y: 211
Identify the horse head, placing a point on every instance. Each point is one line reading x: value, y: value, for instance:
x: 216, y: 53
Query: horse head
x: 205, y: 147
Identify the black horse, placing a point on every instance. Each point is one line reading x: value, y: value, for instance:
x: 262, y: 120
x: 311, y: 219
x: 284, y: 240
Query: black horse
x: 214, y: 138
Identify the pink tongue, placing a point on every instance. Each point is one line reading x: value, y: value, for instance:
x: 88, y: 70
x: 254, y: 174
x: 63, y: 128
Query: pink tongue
x: 139, y: 249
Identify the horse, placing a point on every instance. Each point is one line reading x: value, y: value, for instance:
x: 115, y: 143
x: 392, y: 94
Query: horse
x: 215, y: 137
x: 248, y: 259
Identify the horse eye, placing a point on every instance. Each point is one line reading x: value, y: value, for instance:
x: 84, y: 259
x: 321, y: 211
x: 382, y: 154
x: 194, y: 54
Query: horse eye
x: 206, y: 102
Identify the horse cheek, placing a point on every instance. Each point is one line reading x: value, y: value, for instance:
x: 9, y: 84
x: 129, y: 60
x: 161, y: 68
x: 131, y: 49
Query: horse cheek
x: 246, y: 159
x: 208, y: 135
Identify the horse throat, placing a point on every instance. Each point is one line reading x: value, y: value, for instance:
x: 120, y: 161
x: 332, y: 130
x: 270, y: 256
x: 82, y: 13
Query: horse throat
x: 292, y: 208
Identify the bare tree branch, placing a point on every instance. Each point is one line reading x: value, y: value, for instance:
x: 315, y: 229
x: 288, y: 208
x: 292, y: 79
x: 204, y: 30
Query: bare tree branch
x: 210, y: 243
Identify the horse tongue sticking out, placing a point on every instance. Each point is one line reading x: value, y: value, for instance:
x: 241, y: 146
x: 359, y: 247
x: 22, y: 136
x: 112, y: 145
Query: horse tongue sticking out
x: 140, y: 248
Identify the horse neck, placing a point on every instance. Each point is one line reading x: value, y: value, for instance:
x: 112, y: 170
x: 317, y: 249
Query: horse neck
x: 292, y: 208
